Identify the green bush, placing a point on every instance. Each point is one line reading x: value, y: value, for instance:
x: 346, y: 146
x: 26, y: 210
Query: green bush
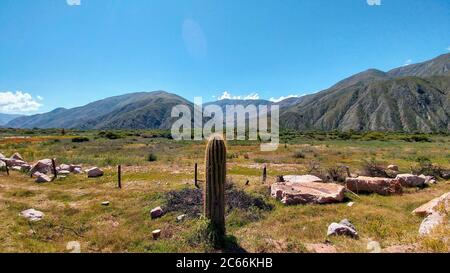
x: 80, y: 139
x: 152, y: 157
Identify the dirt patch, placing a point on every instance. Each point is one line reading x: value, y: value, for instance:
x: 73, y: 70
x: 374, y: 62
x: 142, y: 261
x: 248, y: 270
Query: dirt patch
x: 190, y: 201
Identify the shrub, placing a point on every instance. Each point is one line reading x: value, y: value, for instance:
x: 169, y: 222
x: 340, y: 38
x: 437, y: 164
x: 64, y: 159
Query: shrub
x: 152, y: 157
x: 109, y: 135
x: 80, y: 139
x: 299, y: 154
x: 371, y: 168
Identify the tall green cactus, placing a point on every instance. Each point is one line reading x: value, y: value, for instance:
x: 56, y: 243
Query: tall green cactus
x: 214, y: 196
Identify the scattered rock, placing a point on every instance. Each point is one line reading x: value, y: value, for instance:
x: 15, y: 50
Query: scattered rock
x: 43, y: 166
x: 433, y: 205
x: 17, y: 156
x: 343, y: 228
x: 94, y: 172
x: 429, y: 180
x: 382, y: 186
x: 430, y: 222
x: 36, y: 174
x: 32, y: 215
x: 181, y: 217
x: 64, y: 167
x: 393, y: 168
x: 156, y: 234
x: 25, y: 168
x: 106, y: 203
x: 350, y: 204
x: 72, y: 167
x: 374, y: 247
x: 307, y: 193
x: 13, y: 162
x: 156, y: 213
x: 301, y: 178
x: 320, y: 248
x: 411, y: 180
x: 74, y: 247
x: 77, y: 171
x: 16, y: 168
x: 63, y: 172
x: 43, y: 178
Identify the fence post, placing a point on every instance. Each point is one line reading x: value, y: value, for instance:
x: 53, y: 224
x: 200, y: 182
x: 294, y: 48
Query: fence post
x: 55, y: 173
x: 119, y: 176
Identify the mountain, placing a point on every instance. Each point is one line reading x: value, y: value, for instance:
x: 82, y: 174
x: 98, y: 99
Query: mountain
x: 410, y: 98
x: 5, y: 118
x: 135, y: 110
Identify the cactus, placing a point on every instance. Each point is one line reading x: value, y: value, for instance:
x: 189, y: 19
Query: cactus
x: 214, y: 196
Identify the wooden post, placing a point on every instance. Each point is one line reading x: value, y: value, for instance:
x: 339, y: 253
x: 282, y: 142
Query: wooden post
x: 195, y: 177
x: 119, y: 176
x: 55, y: 173
x: 264, y: 174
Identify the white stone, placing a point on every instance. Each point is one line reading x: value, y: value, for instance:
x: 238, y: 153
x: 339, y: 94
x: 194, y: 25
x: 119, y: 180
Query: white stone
x: 32, y: 215
x: 301, y: 178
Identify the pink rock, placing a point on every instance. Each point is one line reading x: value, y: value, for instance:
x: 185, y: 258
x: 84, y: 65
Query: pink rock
x: 307, y: 193
x: 411, y: 180
x: 382, y: 186
x: 432, y: 206
x: 17, y: 156
x: 42, y: 166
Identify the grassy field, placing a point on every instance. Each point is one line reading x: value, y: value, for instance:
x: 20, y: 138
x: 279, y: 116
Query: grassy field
x: 73, y: 209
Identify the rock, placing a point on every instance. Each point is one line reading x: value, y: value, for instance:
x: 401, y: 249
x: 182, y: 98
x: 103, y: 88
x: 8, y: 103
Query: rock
x: 63, y: 172
x: 36, y: 174
x: 156, y: 234
x: 433, y: 206
x: 2, y: 156
x: 429, y: 180
x: 25, y: 168
x: 17, y: 156
x: 2, y: 164
x: 350, y: 204
x: 156, y: 213
x: 32, y: 215
x: 336, y: 229
x: 307, y: 193
x: 77, y: 171
x: 73, y: 247
x: 347, y: 223
x: 320, y: 248
x: 13, y: 162
x: 181, y: 217
x: 64, y: 167
x: 72, y: 168
x: 382, y: 186
x: 43, y: 178
x: 16, y: 168
x: 374, y: 247
x: 393, y: 168
x: 301, y: 178
x: 431, y: 222
x: 106, y: 203
x: 445, y: 174
x: 94, y: 172
x: 410, y: 180
x: 43, y: 166
x: 401, y: 248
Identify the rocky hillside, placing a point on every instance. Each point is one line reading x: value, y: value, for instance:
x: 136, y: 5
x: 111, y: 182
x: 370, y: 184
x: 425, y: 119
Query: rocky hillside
x: 410, y: 98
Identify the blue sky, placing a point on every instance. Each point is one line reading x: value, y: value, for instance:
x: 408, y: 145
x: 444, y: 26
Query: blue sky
x: 57, y: 55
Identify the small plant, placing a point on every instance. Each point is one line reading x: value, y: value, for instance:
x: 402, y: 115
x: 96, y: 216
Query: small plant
x: 299, y: 154
x: 80, y: 139
x: 152, y: 157
x: 372, y: 168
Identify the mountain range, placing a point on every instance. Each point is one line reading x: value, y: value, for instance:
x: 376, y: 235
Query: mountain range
x: 410, y: 98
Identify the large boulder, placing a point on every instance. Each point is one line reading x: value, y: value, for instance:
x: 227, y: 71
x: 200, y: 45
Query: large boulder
x: 431, y: 222
x: 411, y: 180
x: 43, y: 166
x: 32, y: 215
x: 307, y: 193
x: 342, y: 228
x: 301, y: 178
x: 439, y: 203
x: 94, y: 172
x: 17, y: 156
x: 43, y: 178
x: 382, y: 186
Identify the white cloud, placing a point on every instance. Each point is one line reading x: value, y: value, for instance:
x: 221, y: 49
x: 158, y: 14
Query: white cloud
x: 227, y: 95
x: 18, y: 102
x: 283, y: 98
x: 407, y: 62
x: 73, y: 2
x: 374, y: 2
x: 448, y: 48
